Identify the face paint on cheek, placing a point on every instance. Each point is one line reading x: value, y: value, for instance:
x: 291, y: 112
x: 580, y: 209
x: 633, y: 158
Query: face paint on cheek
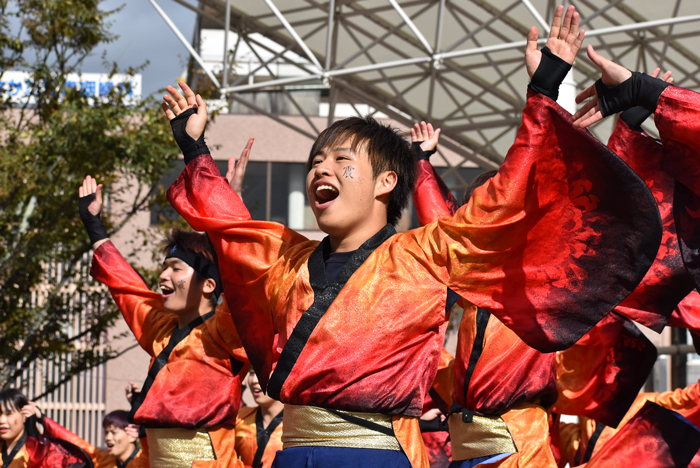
x: 347, y: 172
x: 180, y: 284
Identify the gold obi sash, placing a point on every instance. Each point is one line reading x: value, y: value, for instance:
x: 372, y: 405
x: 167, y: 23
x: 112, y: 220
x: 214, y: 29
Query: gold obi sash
x: 178, y: 448
x: 311, y: 426
x: 484, y: 436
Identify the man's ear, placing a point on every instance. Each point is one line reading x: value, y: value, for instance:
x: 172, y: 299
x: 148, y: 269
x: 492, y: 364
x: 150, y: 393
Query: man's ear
x: 209, y: 286
x: 386, y: 181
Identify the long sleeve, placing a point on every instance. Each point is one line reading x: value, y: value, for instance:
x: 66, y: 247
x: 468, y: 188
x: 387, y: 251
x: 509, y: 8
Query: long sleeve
x: 431, y: 197
x: 100, y: 458
x: 256, y: 258
x: 677, y: 118
x: 141, y: 308
x: 667, y: 282
x: 553, y: 242
x: 687, y: 313
x: 600, y: 376
x: 655, y: 437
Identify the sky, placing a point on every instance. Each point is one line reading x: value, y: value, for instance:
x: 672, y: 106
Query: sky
x: 144, y: 36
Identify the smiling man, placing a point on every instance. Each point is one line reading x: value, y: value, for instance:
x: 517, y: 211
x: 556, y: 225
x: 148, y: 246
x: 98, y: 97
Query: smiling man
x: 361, y: 316
x: 190, y: 399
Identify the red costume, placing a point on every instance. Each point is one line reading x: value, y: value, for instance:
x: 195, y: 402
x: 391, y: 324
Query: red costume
x: 44, y: 452
x: 534, y: 246
x: 195, y: 384
x: 100, y: 458
x: 645, y: 437
x: 247, y: 438
x: 494, y: 367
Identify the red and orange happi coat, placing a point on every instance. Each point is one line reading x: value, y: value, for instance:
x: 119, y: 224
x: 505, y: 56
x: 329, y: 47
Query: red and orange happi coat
x: 495, y: 370
x: 646, y: 436
x: 247, y: 446
x: 100, y: 458
x: 199, y: 386
x: 550, y: 245
x: 41, y: 451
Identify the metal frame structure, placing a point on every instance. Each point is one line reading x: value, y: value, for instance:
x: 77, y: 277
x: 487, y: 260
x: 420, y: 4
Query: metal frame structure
x: 455, y: 63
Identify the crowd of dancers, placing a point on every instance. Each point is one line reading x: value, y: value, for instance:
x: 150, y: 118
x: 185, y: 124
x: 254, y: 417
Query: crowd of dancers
x: 552, y: 258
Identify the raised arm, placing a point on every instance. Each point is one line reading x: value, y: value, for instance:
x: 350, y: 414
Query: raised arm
x: 431, y: 197
x: 553, y: 242
x: 141, y: 308
x: 257, y: 259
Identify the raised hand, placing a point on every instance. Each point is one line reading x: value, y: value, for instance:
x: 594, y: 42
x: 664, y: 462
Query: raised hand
x: 30, y: 409
x: 425, y: 134
x: 177, y: 104
x: 88, y: 188
x: 612, y: 75
x: 130, y: 390
x: 564, y: 41
x: 132, y: 430
x: 236, y: 172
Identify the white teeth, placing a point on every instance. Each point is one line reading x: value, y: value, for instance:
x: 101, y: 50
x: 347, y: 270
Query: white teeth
x: 166, y: 290
x: 326, y: 187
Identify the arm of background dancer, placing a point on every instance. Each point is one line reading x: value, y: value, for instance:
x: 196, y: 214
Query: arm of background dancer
x: 569, y: 442
x: 431, y: 196
x: 681, y: 399
x: 445, y: 377
x: 53, y: 429
x: 687, y: 313
x: 141, y: 308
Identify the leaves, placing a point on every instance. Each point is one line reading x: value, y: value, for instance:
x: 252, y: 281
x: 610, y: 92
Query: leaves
x: 48, y: 307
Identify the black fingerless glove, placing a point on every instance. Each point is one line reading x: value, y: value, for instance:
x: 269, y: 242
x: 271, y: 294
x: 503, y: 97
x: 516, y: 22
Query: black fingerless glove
x: 190, y: 147
x: 549, y: 74
x: 431, y: 425
x: 638, y: 90
x: 635, y: 117
x: 420, y: 153
x: 93, y: 224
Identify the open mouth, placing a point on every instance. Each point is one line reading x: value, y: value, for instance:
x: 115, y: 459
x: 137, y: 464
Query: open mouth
x: 325, y: 194
x: 167, y: 291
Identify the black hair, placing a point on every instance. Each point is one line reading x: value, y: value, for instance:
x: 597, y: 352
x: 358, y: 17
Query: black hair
x: 478, y: 181
x: 12, y: 398
x: 118, y: 419
x: 198, y: 243
x: 387, y: 151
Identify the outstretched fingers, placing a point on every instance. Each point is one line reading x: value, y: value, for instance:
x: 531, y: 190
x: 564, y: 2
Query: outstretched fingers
x: 556, y: 23
x: 565, y: 29
x: 585, y: 94
x: 532, y: 37
x: 166, y: 109
x: 189, y: 94
x: 175, y: 98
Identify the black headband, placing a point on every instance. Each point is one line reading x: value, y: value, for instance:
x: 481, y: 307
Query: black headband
x: 200, y: 264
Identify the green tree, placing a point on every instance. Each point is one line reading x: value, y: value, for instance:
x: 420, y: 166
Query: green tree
x: 47, y: 146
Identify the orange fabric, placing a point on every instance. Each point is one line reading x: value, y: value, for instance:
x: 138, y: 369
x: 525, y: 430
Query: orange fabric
x: 508, y: 372
x: 21, y: 460
x: 222, y: 439
x: 499, y: 252
x: 407, y: 432
x: 654, y: 437
x: 685, y: 401
x: 444, y: 379
x: 100, y: 458
x: 523, y: 373
x: 529, y: 426
x: 247, y: 441
x: 196, y: 388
